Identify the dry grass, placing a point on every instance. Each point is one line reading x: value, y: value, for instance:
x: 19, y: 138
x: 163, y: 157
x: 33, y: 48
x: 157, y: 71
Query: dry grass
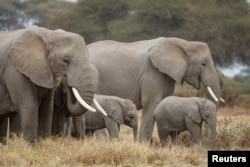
x: 233, y: 134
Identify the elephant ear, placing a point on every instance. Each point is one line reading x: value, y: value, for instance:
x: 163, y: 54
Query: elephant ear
x: 194, y: 113
x: 29, y: 55
x: 118, y: 117
x: 168, y: 56
x: 115, y: 111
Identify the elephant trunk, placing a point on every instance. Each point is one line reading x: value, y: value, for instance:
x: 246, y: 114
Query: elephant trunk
x: 83, y: 90
x: 80, y: 92
x: 135, y: 132
x: 213, y: 134
x: 75, y: 107
x: 79, y: 127
x: 211, y: 81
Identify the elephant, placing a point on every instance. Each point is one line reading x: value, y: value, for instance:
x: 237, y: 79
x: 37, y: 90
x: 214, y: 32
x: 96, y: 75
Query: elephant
x: 120, y: 111
x: 31, y: 60
x: 146, y: 71
x: 176, y: 114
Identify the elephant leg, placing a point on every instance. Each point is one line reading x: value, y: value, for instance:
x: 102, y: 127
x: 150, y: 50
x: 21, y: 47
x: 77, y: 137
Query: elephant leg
x: 112, y: 127
x: 174, y: 137
x: 149, y: 103
x: 16, y: 124
x: 89, y: 133
x: 25, y: 98
x: 59, y: 120
x: 163, y: 134
x: 45, y: 116
x: 3, y: 129
x: 196, y: 135
x: 29, y: 117
x: 28, y: 107
x: 194, y: 129
x: 146, y: 128
x: 154, y: 88
x: 68, y: 128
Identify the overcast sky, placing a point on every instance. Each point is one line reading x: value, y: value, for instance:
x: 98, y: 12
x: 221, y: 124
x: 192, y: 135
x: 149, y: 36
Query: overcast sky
x: 232, y: 70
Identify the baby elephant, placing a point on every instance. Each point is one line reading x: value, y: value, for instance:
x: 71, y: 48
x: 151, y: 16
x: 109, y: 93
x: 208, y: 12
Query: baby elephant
x: 120, y: 111
x: 176, y: 114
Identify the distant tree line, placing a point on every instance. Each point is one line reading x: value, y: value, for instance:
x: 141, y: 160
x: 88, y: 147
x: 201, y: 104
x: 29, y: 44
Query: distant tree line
x: 223, y: 24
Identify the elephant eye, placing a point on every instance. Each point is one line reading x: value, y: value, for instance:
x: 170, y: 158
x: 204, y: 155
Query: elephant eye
x: 66, y: 61
x: 203, y: 64
x: 130, y: 116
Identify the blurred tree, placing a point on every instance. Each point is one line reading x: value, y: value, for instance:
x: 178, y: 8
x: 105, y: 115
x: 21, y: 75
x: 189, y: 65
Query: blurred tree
x: 11, y: 14
x: 223, y: 24
x: 47, y: 13
x: 90, y: 17
x: 149, y: 19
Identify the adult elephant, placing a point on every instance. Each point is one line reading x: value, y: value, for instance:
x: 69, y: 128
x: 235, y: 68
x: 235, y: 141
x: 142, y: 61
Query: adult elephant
x: 146, y: 71
x: 30, y: 60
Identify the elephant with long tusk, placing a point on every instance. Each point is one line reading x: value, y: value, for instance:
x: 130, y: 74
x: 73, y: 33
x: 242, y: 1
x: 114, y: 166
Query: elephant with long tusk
x: 30, y: 60
x: 146, y: 71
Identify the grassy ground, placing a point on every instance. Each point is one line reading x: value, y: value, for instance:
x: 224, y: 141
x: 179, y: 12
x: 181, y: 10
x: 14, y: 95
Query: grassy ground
x: 233, y: 134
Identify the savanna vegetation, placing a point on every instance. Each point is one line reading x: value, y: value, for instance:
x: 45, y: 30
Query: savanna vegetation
x: 233, y: 133
x: 223, y: 24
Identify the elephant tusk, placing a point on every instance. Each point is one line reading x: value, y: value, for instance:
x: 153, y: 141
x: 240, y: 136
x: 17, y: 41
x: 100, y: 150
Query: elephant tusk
x: 99, y: 107
x: 222, y: 100
x: 212, y: 93
x: 81, y: 101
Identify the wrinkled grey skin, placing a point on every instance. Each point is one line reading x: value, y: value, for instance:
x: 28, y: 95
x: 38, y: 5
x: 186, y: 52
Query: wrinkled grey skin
x: 176, y: 114
x: 146, y: 71
x: 30, y: 60
x: 65, y: 103
x: 120, y: 111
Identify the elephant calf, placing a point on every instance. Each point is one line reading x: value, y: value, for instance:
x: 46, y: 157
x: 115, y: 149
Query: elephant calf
x: 120, y: 111
x: 176, y: 114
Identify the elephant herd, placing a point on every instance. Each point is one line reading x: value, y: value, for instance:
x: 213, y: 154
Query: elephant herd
x: 51, y: 83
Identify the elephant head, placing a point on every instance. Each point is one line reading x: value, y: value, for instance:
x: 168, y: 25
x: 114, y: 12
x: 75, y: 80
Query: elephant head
x: 123, y: 111
x: 130, y: 116
x: 186, y: 61
x: 204, y: 110
x: 42, y: 55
